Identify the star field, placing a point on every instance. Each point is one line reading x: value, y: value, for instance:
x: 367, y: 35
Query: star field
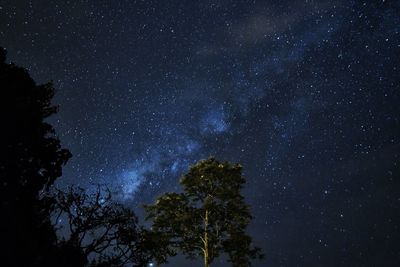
x: 304, y: 94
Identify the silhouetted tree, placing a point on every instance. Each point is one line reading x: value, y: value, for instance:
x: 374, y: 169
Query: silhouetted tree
x: 209, y: 217
x: 31, y: 159
x: 96, y: 231
x: 106, y: 233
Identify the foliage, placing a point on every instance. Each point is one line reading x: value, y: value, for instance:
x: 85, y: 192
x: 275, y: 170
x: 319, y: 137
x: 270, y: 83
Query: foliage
x: 209, y: 217
x: 105, y: 233
x: 31, y: 159
x: 96, y: 231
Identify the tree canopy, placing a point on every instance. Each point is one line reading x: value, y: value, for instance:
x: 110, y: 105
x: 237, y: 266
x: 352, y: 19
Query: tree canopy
x: 96, y: 231
x: 101, y: 231
x: 31, y: 159
x: 209, y: 217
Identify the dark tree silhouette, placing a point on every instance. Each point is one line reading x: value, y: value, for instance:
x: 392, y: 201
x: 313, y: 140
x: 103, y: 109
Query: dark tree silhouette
x: 96, y: 231
x: 106, y: 233
x: 31, y: 159
x: 209, y: 217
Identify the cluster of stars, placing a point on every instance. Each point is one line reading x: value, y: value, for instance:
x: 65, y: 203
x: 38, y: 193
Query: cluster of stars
x: 304, y: 94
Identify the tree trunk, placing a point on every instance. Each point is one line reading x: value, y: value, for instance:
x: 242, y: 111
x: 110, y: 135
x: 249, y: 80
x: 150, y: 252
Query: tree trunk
x: 206, y: 255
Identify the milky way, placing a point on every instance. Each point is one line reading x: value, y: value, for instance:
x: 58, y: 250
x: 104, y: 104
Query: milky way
x: 304, y: 94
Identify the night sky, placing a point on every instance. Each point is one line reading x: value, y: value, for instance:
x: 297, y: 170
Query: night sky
x: 304, y: 94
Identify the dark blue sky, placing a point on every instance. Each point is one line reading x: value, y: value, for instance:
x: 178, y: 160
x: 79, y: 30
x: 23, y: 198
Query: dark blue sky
x: 305, y: 94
